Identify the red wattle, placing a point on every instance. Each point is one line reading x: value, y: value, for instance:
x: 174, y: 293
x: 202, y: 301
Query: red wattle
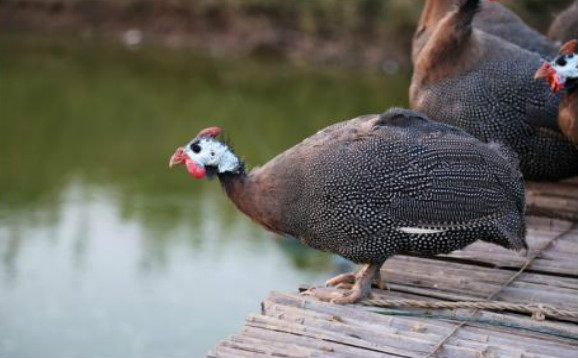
x: 195, y: 170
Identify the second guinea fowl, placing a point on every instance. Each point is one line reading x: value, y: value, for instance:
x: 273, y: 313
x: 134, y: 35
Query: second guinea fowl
x: 373, y: 187
x: 485, y: 85
x: 562, y: 75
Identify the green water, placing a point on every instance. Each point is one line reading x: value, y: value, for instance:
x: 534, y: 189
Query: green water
x: 103, y: 250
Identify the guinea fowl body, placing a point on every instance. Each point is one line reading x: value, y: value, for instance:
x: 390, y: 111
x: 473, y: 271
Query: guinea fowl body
x: 492, y: 18
x: 376, y: 186
x: 373, y: 187
x: 565, y: 26
x: 485, y: 85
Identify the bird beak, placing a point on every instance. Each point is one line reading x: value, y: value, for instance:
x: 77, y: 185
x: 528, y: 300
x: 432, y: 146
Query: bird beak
x: 543, y: 71
x: 177, y: 158
x: 193, y: 168
x: 548, y: 72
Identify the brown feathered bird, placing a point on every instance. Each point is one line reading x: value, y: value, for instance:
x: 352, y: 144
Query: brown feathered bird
x: 565, y: 26
x: 485, y: 85
x: 492, y: 18
x: 373, y: 187
x: 562, y: 75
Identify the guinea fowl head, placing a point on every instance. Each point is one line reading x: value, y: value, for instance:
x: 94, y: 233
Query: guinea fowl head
x: 562, y: 72
x: 205, y: 155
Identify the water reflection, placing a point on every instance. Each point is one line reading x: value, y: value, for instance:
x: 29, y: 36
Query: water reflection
x: 104, y: 251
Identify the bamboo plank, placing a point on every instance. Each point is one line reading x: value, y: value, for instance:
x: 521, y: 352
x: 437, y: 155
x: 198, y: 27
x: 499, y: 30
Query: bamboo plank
x: 291, y: 325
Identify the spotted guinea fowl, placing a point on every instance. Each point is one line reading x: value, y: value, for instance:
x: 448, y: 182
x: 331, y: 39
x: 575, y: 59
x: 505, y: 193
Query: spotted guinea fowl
x: 562, y: 75
x: 493, y: 18
x: 565, y: 26
x: 485, y: 85
x: 373, y: 187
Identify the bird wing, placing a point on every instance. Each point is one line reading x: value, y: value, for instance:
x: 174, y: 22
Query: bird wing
x: 450, y: 179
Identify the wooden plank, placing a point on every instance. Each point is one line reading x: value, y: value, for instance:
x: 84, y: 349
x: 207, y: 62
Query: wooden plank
x: 553, y: 199
x: 558, y: 259
x: 297, y: 326
x: 291, y: 325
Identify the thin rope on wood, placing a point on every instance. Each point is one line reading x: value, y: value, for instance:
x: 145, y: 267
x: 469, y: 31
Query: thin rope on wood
x: 529, y: 261
x: 488, y: 299
x: 538, y: 311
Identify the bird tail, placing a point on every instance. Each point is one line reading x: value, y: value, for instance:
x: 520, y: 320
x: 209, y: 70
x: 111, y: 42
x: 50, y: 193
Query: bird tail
x: 513, y: 230
x: 464, y: 15
x: 450, y: 37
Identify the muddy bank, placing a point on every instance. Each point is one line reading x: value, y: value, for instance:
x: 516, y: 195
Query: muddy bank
x: 373, y: 33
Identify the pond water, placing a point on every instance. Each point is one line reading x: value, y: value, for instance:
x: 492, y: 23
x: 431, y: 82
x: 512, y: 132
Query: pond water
x: 103, y: 250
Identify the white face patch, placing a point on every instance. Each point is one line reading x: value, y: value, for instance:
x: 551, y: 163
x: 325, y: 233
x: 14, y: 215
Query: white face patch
x: 569, y: 70
x: 208, y: 152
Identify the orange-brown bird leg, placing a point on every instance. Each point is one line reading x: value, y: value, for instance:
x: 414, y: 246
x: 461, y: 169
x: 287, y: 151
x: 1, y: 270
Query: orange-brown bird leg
x: 360, y: 289
x: 347, y: 280
x: 344, y: 278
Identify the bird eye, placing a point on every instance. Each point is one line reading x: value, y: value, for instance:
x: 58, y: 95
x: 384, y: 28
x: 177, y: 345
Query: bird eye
x: 561, y: 61
x: 195, y: 148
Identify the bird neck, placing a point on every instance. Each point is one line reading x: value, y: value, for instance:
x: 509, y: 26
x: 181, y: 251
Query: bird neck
x: 233, y: 182
x: 432, y: 13
x: 571, y: 86
x: 250, y: 195
x: 452, y: 48
x: 568, y: 116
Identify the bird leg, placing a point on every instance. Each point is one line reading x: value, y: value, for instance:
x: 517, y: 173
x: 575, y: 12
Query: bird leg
x: 341, y: 281
x: 347, y: 280
x: 359, y: 285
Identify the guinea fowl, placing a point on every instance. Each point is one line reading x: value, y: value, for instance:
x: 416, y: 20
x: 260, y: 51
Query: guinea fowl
x: 493, y: 18
x: 373, y: 187
x: 565, y: 26
x: 485, y: 85
x: 562, y: 75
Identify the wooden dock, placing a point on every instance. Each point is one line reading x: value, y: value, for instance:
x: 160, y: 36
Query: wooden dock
x: 291, y: 325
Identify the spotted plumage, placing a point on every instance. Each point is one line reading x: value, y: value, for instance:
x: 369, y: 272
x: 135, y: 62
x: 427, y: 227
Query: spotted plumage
x: 380, y: 185
x: 376, y: 176
x: 478, y: 82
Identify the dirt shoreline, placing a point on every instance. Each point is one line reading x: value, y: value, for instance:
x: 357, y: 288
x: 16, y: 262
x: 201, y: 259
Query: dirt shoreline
x: 368, y: 33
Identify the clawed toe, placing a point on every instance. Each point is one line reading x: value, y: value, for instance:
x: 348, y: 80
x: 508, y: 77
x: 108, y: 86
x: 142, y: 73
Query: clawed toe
x: 345, y: 286
x: 333, y: 295
x: 346, y: 278
x: 348, y: 287
x: 323, y: 294
x: 351, y: 296
x: 338, y: 296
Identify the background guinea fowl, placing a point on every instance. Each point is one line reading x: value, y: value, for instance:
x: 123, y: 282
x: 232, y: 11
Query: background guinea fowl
x: 373, y: 187
x: 562, y: 75
x: 485, y: 85
x: 493, y: 18
x: 565, y: 26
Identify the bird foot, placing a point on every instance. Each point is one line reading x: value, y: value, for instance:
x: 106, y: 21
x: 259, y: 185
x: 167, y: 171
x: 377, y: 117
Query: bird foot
x: 357, y: 286
x: 339, y: 296
x: 345, y: 278
x: 347, y: 281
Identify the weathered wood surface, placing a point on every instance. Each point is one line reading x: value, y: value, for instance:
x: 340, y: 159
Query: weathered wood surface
x: 553, y: 199
x: 291, y: 325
